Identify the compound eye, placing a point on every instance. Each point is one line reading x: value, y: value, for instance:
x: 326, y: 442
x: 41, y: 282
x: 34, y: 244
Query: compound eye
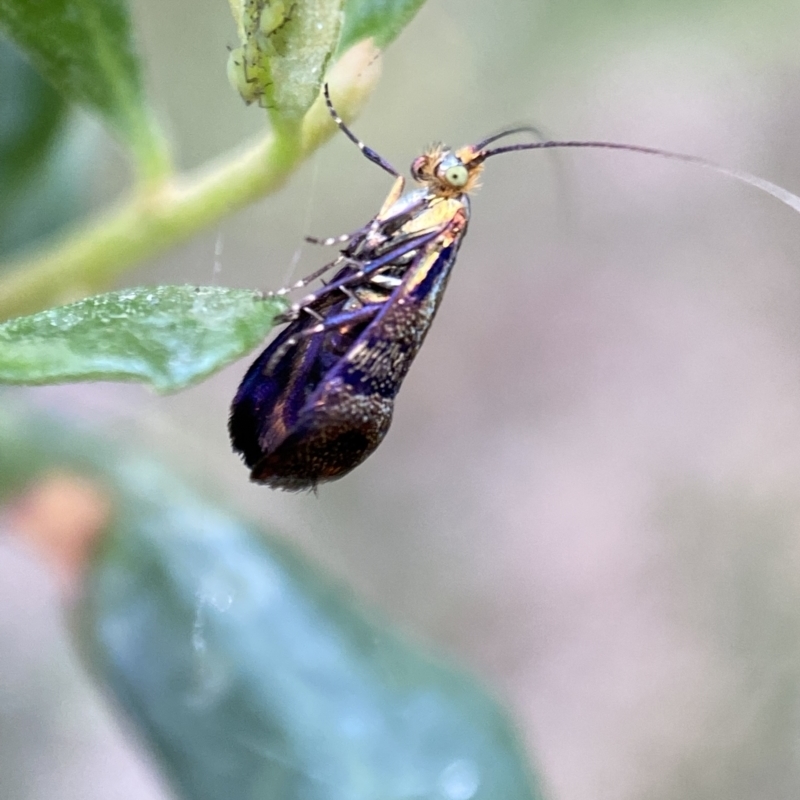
x: 457, y: 176
x: 417, y: 166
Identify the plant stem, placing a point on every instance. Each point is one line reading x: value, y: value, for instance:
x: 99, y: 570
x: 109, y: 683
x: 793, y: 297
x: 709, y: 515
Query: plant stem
x: 90, y: 258
x: 159, y: 216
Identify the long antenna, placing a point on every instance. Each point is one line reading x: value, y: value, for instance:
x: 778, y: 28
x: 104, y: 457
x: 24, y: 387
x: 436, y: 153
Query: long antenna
x: 778, y: 192
x: 510, y: 132
x: 374, y: 157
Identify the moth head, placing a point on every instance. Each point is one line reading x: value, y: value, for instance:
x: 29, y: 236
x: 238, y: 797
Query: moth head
x: 446, y: 172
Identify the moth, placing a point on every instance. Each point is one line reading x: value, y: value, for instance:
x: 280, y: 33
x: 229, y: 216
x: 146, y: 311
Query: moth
x: 319, y: 399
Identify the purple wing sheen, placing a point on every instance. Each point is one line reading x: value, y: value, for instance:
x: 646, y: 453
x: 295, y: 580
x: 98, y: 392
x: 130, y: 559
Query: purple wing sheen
x: 268, y: 400
x: 313, y: 409
x: 381, y: 357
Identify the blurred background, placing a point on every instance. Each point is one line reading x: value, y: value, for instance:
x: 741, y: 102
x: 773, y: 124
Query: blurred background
x: 590, y: 492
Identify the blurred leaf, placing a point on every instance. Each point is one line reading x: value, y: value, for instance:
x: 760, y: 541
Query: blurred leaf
x: 31, y: 115
x: 249, y: 673
x: 40, y: 166
x: 84, y: 48
x: 29, y: 444
x: 381, y: 20
x: 253, y: 676
x: 168, y: 336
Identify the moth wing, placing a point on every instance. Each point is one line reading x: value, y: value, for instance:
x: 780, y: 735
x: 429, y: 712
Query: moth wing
x: 271, y: 396
x: 380, y: 357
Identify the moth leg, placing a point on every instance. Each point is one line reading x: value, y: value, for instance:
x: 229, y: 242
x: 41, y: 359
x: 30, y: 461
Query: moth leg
x: 350, y: 296
x: 345, y: 238
x: 394, y: 195
x: 330, y: 241
x: 309, y: 278
x: 368, y: 268
x: 311, y: 313
x: 376, y: 224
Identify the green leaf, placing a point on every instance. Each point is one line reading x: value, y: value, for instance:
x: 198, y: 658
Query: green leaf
x: 168, y: 336
x: 298, y: 67
x: 381, y: 20
x: 253, y: 676
x: 40, y: 174
x: 84, y: 48
x: 285, y: 50
x: 31, y: 116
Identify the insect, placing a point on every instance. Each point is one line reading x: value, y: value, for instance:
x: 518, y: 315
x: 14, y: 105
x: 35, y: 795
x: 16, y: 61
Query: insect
x: 319, y: 398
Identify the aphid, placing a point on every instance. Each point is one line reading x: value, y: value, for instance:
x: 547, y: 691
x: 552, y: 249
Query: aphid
x: 319, y: 399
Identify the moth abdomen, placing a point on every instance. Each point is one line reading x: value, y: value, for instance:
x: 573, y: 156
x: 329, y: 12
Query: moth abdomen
x: 330, y: 438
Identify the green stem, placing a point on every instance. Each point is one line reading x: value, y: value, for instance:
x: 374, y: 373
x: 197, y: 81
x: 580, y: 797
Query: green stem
x: 151, y: 154
x: 90, y: 258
